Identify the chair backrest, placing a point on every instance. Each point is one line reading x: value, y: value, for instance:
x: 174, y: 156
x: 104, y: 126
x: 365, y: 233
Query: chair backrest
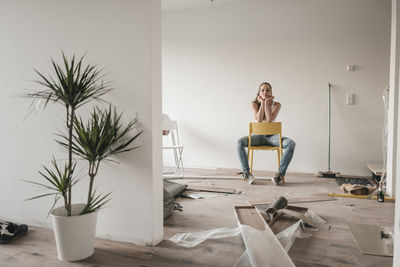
x: 265, y: 128
x: 172, y: 128
x: 169, y: 125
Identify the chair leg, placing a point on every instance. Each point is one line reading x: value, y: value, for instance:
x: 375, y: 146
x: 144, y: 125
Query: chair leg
x: 251, y: 160
x: 279, y: 158
x: 279, y: 161
x: 175, y: 152
x: 177, y: 159
x: 248, y: 155
x: 181, y: 162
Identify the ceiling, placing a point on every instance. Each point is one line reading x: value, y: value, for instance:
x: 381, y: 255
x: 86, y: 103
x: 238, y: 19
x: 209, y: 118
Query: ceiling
x: 169, y: 5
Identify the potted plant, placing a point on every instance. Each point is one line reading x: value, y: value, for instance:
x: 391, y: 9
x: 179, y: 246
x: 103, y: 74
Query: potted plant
x: 102, y: 136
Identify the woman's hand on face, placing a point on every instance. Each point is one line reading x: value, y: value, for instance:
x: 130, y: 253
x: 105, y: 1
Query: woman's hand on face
x: 260, y: 99
x: 269, y: 100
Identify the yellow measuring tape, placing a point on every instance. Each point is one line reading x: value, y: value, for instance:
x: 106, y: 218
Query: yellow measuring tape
x: 388, y: 199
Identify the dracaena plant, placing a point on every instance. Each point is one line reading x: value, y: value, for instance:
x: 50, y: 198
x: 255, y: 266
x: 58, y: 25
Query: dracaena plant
x: 60, y: 179
x: 102, y: 136
x: 73, y: 85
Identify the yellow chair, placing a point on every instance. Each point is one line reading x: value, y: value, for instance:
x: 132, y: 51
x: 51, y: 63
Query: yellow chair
x: 265, y: 128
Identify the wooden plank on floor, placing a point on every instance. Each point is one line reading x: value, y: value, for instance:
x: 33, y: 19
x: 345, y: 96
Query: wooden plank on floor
x: 211, y: 189
x: 369, y: 241
x: 376, y: 168
x: 283, y: 222
x: 262, y: 246
x: 293, y: 200
x: 191, y: 176
x: 250, y: 216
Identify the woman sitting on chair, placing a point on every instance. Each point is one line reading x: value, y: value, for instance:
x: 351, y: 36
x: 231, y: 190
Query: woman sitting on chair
x: 265, y: 110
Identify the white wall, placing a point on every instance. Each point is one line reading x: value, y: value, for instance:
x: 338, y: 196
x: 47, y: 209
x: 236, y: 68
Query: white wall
x: 124, y: 37
x: 215, y: 57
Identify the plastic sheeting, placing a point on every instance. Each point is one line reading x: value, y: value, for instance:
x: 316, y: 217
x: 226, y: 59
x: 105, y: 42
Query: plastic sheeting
x: 256, y: 241
x: 309, y: 217
x: 263, y: 248
x: 200, y: 195
x: 243, y: 261
x: 289, y: 235
x: 189, y: 240
x: 285, y: 237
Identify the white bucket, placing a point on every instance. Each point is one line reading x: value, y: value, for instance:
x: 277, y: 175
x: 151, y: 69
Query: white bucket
x: 74, y: 234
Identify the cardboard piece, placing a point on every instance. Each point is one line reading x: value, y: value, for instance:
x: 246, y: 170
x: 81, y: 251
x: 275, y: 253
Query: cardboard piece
x: 357, y: 189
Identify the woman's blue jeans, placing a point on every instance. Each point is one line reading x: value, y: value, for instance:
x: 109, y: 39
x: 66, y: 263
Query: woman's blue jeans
x: 266, y: 140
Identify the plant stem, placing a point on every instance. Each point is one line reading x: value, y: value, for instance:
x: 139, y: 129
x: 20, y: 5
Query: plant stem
x: 91, y: 165
x: 65, y: 202
x: 93, y: 168
x: 70, y: 126
x: 90, y: 189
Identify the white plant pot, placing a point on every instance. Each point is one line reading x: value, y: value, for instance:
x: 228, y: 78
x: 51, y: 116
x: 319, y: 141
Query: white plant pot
x: 74, y: 234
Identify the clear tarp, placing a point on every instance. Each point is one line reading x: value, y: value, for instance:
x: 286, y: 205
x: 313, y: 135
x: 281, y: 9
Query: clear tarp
x: 189, y: 240
x: 255, y: 254
x: 201, y: 195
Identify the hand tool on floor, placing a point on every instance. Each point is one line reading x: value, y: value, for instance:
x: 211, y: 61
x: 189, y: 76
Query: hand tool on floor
x: 278, y: 204
x: 383, y: 235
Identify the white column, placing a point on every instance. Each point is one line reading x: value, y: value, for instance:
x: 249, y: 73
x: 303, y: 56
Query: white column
x: 393, y: 102
x: 393, y: 145
x: 158, y: 221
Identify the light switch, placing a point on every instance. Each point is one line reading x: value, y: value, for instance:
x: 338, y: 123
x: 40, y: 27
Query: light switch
x: 349, y: 99
x: 350, y: 67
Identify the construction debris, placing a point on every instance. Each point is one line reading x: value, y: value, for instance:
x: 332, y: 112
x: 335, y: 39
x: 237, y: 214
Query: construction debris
x: 357, y: 189
x: 170, y: 191
x: 178, y: 207
x: 265, y: 246
x: 383, y: 235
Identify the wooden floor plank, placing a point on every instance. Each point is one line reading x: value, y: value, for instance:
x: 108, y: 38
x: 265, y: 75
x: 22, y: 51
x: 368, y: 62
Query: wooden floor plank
x: 314, y: 198
x: 369, y: 240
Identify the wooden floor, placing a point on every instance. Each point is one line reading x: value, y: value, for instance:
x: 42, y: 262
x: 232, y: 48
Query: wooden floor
x: 334, y: 247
